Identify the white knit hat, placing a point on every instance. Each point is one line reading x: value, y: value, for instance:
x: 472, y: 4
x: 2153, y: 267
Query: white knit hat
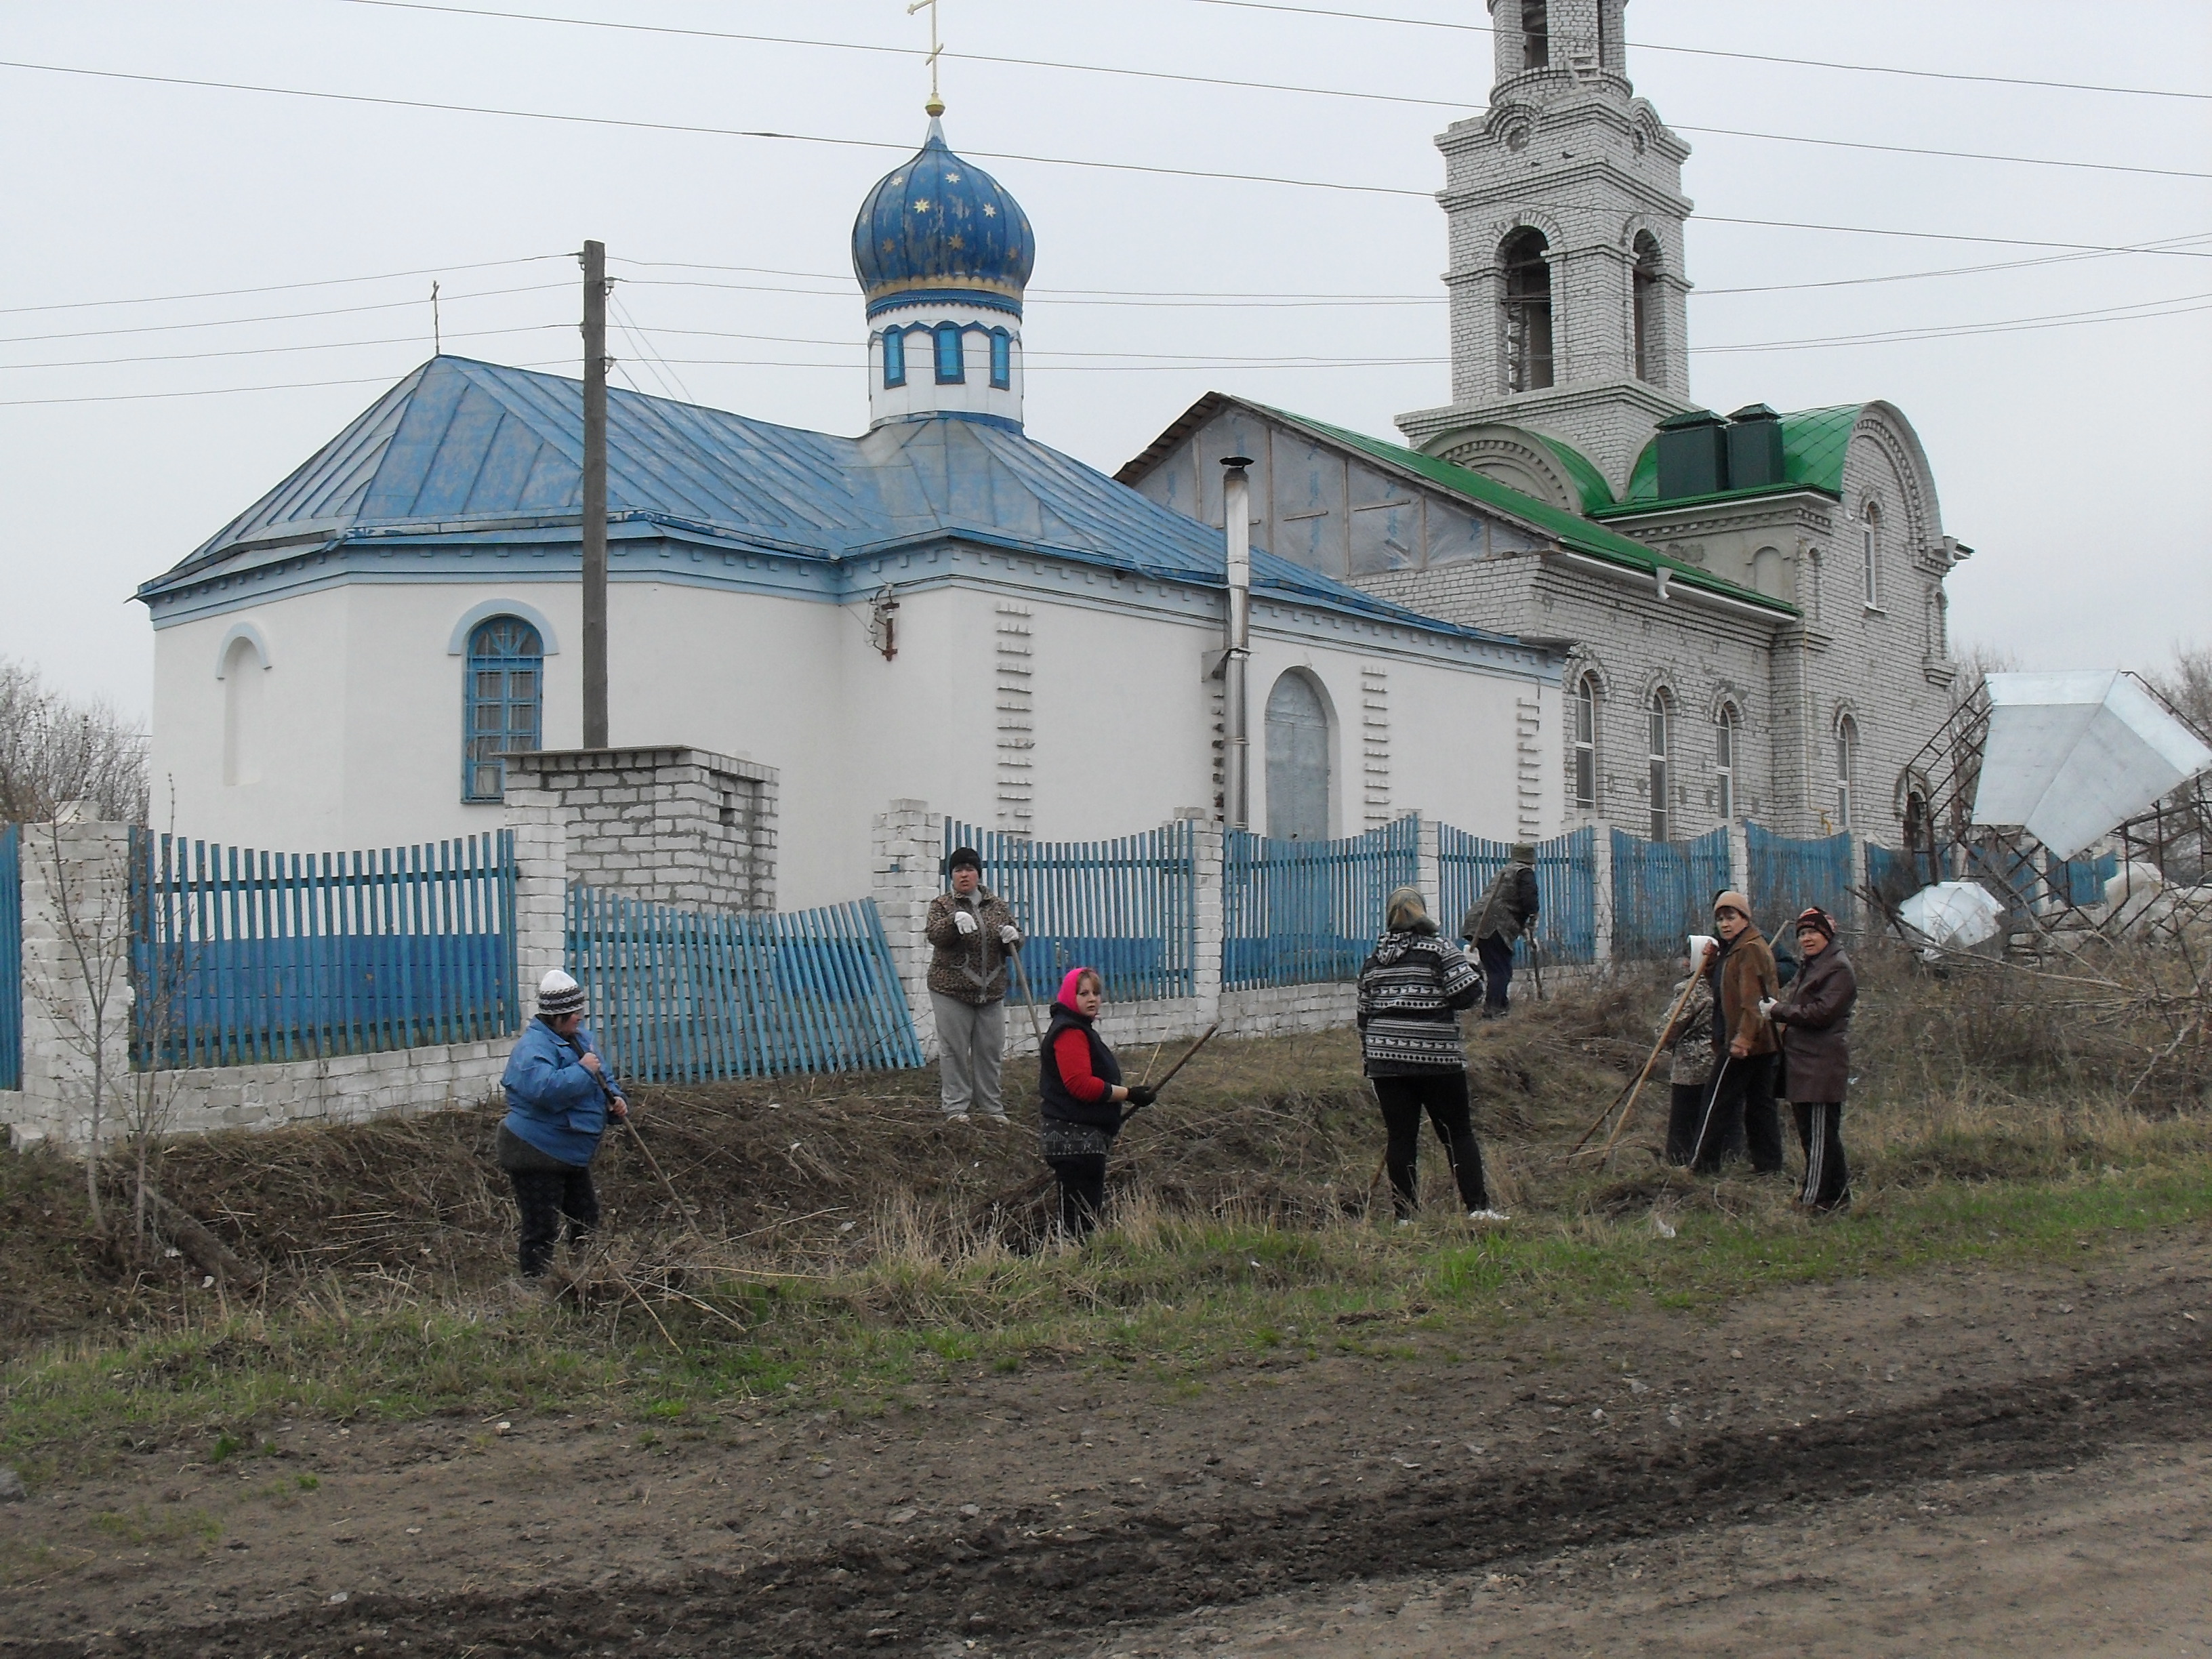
x: 558, y: 995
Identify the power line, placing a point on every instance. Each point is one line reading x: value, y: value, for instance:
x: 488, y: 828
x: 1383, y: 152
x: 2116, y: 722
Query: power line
x: 564, y: 118
x: 225, y: 391
x: 1741, y: 57
x: 279, y: 288
x: 273, y: 317
x: 1223, y: 81
x: 266, y: 351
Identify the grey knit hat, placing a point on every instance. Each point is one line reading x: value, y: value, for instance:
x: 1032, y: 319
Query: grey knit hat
x: 558, y: 995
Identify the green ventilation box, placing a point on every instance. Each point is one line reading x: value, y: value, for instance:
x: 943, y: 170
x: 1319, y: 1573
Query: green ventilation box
x: 1692, y: 455
x: 1754, y: 447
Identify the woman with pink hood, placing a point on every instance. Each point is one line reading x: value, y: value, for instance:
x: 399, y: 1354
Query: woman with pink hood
x: 1083, y: 1100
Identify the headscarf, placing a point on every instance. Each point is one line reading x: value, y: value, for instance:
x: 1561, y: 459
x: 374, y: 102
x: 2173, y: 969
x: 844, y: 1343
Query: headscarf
x: 1819, y: 920
x: 1072, y: 981
x: 1407, y: 913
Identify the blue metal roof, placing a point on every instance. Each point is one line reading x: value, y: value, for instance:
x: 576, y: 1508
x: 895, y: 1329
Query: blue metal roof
x: 461, y: 451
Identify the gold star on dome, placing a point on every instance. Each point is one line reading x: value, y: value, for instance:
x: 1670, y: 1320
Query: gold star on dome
x: 921, y: 206
x: 888, y: 246
x: 956, y: 243
x: 951, y: 178
x: 990, y: 210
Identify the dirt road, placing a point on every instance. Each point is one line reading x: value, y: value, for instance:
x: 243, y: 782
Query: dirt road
x: 1952, y: 1463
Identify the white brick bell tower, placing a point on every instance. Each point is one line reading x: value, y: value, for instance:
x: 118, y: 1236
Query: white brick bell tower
x: 1567, y: 275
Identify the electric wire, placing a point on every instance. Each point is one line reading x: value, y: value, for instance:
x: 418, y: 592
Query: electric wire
x: 280, y: 287
x: 267, y: 351
x: 1743, y: 57
x: 1224, y: 80
x: 1148, y: 169
x: 273, y: 317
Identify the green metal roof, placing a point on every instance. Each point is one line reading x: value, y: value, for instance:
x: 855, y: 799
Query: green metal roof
x: 1569, y: 529
x: 1590, y: 482
x: 1813, y: 441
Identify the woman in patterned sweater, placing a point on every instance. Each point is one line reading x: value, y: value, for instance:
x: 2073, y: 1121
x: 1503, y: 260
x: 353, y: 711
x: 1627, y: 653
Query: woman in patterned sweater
x: 1411, y: 991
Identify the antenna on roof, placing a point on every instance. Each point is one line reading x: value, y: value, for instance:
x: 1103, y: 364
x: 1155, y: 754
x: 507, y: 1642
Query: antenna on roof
x: 935, y: 106
x: 437, y: 336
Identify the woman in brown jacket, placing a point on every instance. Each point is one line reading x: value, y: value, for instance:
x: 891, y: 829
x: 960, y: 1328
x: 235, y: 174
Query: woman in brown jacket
x: 1815, y: 1018
x: 1742, y: 976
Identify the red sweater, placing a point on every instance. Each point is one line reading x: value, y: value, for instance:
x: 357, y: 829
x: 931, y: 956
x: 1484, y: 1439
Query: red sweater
x: 1072, y: 1050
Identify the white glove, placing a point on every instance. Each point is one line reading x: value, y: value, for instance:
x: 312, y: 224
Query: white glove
x: 963, y: 922
x: 1010, y: 935
x: 1767, y: 1007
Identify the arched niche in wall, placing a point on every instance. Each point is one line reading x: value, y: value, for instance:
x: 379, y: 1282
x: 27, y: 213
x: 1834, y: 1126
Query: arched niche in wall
x: 243, y: 669
x: 1298, y: 759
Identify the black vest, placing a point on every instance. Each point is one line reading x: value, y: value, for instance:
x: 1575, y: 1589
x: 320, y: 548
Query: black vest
x: 1054, y: 1099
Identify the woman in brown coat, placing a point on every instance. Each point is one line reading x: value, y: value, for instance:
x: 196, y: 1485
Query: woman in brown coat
x: 1742, y: 976
x: 1815, y: 1018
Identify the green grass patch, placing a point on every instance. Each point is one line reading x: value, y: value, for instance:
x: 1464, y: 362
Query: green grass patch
x: 1175, y: 1300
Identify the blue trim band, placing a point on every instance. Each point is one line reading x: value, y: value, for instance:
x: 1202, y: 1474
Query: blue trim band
x: 925, y: 296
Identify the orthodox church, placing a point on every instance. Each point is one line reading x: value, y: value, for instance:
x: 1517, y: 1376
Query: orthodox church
x: 1752, y: 606
x: 941, y: 608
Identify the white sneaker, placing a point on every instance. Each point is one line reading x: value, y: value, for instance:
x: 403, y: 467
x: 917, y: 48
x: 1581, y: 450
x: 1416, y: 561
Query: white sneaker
x: 956, y: 1117
x: 1488, y: 1217
x: 994, y: 1117
x: 1404, y: 1221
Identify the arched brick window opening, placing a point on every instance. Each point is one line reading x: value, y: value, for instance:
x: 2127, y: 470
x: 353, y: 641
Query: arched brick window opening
x: 1661, y: 722
x: 1528, y: 311
x: 1536, y: 34
x: 1870, y: 536
x: 1847, y: 757
x: 1643, y: 284
x: 1585, y: 718
x: 1726, y: 735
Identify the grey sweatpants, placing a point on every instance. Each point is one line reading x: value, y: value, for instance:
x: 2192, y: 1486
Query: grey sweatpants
x: 970, y: 1041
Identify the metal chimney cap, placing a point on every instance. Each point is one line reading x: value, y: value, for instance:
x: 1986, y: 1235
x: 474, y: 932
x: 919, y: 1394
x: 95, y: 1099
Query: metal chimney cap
x: 1236, y: 460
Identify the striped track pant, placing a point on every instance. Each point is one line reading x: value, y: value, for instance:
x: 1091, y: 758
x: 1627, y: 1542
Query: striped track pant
x: 1821, y: 1132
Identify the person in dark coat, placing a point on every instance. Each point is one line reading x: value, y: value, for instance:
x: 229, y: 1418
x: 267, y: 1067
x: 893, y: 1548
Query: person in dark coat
x: 559, y: 1097
x: 973, y: 937
x: 1082, y: 1101
x: 1412, y: 990
x: 1744, y: 1044
x: 1815, y: 1018
x: 1506, y: 913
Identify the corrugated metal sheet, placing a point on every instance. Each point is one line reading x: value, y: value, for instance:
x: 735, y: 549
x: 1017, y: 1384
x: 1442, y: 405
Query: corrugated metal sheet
x: 459, y: 444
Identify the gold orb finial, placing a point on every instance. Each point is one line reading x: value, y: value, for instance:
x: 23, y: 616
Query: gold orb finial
x: 934, y: 108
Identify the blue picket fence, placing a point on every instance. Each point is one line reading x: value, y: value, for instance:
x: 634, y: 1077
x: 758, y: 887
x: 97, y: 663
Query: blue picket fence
x: 696, y: 996
x: 1307, y: 912
x: 1566, y: 884
x: 1788, y: 876
x: 11, y: 957
x: 2081, y: 881
x: 1663, y: 891
x: 1126, y: 907
x: 244, y: 957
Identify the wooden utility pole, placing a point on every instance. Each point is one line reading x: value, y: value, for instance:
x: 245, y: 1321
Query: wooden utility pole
x: 595, y: 495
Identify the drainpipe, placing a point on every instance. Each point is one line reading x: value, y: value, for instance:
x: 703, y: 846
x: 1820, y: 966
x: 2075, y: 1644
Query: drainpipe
x: 1237, y: 518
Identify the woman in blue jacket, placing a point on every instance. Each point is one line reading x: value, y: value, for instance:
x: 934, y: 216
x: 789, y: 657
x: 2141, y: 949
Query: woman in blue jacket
x: 559, y: 1097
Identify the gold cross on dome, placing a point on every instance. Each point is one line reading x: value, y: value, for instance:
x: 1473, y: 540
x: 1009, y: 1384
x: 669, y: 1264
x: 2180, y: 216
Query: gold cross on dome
x: 935, y: 106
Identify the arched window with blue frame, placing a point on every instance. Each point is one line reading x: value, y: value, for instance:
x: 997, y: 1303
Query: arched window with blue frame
x: 502, y: 706
x: 951, y: 359
x: 894, y: 356
x: 1002, y: 359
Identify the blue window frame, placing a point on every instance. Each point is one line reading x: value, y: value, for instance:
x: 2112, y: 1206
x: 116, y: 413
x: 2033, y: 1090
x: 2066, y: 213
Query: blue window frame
x: 894, y: 356
x: 951, y: 360
x: 1002, y: 359
x: 503, y: 703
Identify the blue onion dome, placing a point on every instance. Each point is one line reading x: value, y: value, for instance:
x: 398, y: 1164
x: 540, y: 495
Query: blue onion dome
x: 938, y: 227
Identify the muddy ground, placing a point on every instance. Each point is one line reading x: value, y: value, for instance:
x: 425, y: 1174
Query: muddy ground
x: 1951, y: 1462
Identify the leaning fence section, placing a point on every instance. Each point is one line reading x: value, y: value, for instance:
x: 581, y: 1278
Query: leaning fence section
x: 1566, y: 886
x: 1789, y: 877
x: 1307, y: 912
x: 697, y: 996
x: 243, y: 957
x: 1127, y: 907
x: 1663, y: 891
x: 11, y: 955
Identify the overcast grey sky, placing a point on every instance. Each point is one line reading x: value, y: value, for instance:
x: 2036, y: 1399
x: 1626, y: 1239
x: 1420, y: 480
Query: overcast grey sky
x: 2071, y: 457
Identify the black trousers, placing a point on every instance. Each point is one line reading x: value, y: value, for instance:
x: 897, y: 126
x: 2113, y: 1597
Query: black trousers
x: 1497, y: 954
x: 1442, y: 1096
x: 1743, y: 1104
x: 1082, y: 1191
x: 1821, y: 1132
x: 1686, y: 1110
x: 546, y: 1189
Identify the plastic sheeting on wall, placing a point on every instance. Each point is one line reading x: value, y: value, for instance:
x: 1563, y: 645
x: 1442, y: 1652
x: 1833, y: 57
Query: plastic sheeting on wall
x: 2071, y: 755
